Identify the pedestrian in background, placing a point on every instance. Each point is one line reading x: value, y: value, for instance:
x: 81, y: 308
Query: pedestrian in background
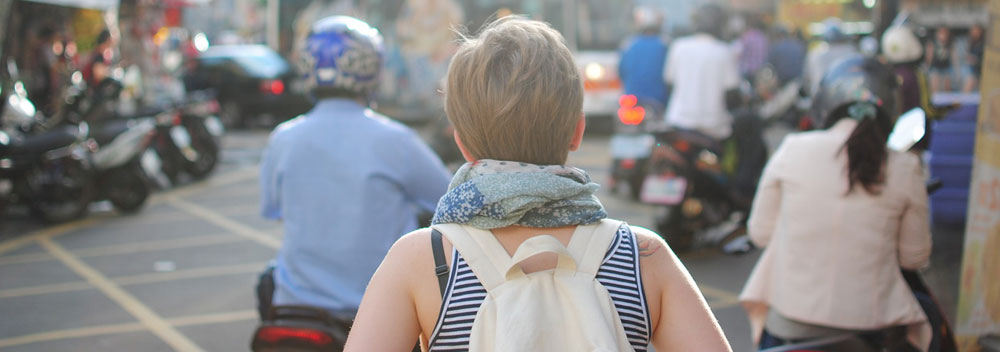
x: 973, y: 68
x: 345, y: 181
x: 939, y: 59
x: 753, y: 46
x: 515, y: 97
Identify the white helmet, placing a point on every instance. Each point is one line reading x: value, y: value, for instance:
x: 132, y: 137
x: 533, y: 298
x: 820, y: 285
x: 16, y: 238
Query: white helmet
x: 900, y: 45
x: 648, y: 19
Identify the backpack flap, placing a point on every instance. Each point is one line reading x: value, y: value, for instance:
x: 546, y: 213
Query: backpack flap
x: 545, y: 311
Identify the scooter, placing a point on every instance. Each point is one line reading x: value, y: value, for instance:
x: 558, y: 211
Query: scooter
x: 908, y: 130
x: 120, y: 160
x: 187, y: 139
x: 632, y: 142
x: 47, y: 169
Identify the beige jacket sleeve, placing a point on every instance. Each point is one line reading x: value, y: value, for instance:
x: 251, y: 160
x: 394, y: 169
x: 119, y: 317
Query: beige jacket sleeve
x: 914, y: 228
x: 767, y: 201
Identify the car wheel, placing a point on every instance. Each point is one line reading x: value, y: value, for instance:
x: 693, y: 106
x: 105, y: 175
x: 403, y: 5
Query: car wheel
x: 231, y: 115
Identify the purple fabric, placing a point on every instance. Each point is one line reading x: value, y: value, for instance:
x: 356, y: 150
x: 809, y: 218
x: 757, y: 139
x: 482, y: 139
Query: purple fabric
x: 754, y: 53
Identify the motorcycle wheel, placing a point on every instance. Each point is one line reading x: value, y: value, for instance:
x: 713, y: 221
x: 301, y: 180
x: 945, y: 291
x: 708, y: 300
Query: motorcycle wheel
x: 671, y: 227
x: 67, y: 201
x: 208, y: 151
x: 168, y: 164
x: 127, y: 188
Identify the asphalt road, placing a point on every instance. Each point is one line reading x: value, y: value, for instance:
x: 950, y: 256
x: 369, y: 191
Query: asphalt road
x: 179, y: 275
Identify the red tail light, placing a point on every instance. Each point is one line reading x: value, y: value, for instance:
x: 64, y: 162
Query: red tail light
x: 273, y: 334
x: 629, y: 113
x: 273, y: 86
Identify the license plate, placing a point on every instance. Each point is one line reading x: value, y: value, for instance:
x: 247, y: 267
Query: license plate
x: 180, y: 136
x: 665, y: 190
x: 635, y: 146
x: 214, y: 126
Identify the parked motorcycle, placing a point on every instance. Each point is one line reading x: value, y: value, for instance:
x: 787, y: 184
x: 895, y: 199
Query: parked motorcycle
x: 188, y: 138
x: 120, y: 159
x: 632, y: 142
x: 47, y: 169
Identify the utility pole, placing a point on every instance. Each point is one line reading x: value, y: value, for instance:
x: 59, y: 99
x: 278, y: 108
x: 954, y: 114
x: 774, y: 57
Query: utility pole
x: 273, y: 27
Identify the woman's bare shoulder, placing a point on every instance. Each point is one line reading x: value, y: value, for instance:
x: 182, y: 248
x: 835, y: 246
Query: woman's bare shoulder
x: 409, y: 251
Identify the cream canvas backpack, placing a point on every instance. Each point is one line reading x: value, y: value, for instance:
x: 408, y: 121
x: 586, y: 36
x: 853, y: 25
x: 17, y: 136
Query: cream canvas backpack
x: 560, y: 309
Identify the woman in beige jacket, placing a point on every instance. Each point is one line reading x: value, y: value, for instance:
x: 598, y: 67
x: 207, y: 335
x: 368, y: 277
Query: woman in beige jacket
x: 838, y: 215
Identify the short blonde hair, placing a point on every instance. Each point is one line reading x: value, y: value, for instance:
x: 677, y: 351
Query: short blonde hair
x: 514, y: 93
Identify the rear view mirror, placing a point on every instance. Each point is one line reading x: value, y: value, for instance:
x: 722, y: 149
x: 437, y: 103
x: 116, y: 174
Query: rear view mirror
x: 908, y: 131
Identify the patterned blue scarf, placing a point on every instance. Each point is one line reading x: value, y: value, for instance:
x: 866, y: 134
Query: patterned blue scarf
x: 490, y: 194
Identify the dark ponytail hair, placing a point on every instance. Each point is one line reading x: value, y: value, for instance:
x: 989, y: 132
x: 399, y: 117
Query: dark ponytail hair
x: 866, y: 151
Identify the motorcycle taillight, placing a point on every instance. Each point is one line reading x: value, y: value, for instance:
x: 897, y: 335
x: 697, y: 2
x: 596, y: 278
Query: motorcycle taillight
x: 275, y: 334
x: 628, y: 112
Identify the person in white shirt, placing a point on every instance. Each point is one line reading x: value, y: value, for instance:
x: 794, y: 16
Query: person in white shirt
x: 704, y: 76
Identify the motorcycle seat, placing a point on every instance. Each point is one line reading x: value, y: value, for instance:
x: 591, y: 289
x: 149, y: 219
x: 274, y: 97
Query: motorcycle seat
x: 56, y: 138
x: 107, y: 131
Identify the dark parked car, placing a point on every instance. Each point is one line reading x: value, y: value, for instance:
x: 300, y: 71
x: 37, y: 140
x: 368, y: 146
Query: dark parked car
x: 254, y: 84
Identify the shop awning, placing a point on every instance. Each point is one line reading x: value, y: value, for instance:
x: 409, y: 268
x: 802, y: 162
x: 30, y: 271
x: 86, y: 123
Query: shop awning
x: 89, y: 4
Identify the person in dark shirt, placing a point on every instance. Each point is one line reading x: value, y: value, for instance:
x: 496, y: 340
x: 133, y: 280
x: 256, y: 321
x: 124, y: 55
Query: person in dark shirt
x: 975, y: 58
x: 939, y: 58
x: 787, y: 55
x: 99, y: 65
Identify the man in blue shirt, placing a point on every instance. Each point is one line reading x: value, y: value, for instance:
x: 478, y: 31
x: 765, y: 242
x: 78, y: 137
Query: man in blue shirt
x: 345, y: 181
x: 642, y: 61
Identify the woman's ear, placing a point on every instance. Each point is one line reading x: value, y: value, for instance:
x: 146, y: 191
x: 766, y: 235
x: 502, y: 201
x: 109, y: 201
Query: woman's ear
x: 465, y: 153
x: 581, y: 126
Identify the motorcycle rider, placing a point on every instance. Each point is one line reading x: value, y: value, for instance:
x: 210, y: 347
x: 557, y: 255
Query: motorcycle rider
x: 835, y: 46
x: 839, y: 215
x: 902, y: 49
x: 642, y: 61
x: 704, y: 79
x: 345, y: 181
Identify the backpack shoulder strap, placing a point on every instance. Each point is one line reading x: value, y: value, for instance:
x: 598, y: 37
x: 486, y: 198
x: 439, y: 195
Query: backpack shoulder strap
x: 481, y: 251
x: 590, y: 244
x: 440, y: 264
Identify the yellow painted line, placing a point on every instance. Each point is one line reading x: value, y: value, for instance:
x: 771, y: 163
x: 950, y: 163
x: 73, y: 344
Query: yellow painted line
x: 146, y: 316
x: 224, y: 222
x: 191, y: 273
x: 137, y: 279
x: 721, y: 298
x: 45, y: 289
x: 194, y: 320
x: 217, y: 318
x: 235, y: 176
x: 25, y: 258
x: 19, y: 242
x: 157, y: 245
x: 126, y: 248
x: 71, y: 333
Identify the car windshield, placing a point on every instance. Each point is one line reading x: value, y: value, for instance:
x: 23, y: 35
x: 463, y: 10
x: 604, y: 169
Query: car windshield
x: 257, y: 61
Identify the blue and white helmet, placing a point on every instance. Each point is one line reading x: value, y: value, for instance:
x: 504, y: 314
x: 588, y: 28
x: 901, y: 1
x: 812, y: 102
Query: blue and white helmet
x: 343, y: 53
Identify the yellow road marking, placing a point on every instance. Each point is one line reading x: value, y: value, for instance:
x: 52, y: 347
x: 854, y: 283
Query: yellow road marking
x: 157, y: 245
x: 127, y: 248
x: 721, y: 298
x: 137, y: 279
x: 227, y: 317
x: 238, y: 175
x: 223, y: 222
x: 191, y: 273
x: 146, y: 316
x: 19, y: 242
x: 45, y: 289
x: 194, y: 320
x: 25, y: 258
x: 71, y: 333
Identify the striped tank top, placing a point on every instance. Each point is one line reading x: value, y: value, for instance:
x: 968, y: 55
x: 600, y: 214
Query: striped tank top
x: 619, y: 273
